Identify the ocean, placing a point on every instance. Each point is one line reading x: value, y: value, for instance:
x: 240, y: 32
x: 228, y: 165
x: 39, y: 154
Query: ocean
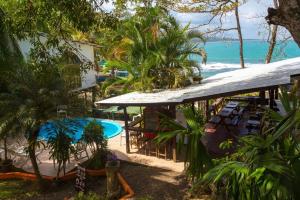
x: 223, y: 56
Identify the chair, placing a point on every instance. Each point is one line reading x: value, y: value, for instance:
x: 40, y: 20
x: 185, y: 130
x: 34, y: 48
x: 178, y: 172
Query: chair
x: 150, y: 147
x: 134, y: 138
x: 62, y: 110
x: 215, y: 119
x: 81, y: 149
x: 122, y: 135
x: 21, y: 152
x: 147, y: 142
x: 162, y: 150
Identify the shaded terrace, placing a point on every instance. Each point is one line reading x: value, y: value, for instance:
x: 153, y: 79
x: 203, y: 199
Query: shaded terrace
x: 255, y: 79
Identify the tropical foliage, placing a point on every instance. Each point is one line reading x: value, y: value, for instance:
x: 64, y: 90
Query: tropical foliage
x: 93, y: 136
x: 266, y: 164
x: 30, y: 92
x: 155, y: 50
x: 198, y: 160
x: 32, y: 96
x: 60, y: 144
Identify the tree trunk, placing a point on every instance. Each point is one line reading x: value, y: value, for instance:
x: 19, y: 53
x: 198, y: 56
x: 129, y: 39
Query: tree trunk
x: 58, y: 169
x: 31, y: 151
x: 272, y: 44
x: 236, y: 12
x: 273, y: 38
x: 5, y: 148
x: 287, y: 15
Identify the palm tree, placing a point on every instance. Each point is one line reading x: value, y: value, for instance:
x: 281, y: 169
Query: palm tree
x: 10, y: 54
x: 197, y: 158
x: 155, y: 51
x: 32, y: 96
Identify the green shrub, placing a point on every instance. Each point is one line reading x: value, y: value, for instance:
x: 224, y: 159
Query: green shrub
x: 98, y: 160
x: 60, y: 145
x: 94, y: 137
x: 89, y: 196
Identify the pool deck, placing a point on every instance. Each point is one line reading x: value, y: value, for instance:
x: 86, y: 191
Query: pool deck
x: 114, y: 144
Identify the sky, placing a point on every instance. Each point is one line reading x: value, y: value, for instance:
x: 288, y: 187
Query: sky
x: 252, y: 20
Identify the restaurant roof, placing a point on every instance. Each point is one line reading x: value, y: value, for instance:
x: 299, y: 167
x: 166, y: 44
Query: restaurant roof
x: 240, y: 81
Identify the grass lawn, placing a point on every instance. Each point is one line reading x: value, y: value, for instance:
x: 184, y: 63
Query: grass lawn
x: 16, y: 189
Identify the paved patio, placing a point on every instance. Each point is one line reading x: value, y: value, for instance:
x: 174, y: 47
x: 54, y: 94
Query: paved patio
x: 114, y: 144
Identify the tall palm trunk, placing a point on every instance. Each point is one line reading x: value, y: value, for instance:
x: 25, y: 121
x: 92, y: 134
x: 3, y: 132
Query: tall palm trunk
x: 32, y: 140
x: 273, y: 38
x: 238, y: 26
x: 5, y: 148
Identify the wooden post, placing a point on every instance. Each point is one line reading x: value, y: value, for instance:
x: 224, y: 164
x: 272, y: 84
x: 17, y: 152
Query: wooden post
x: 172, y: 109
x: 271, y: 95
x: 93, y: 97
x: 85, y: 98
x: 207, y: 110
x: 262, y: 95
x: 276, y: 93
x: 93, y: 102
x: 113, y: 188
x: 193, y: 107
x: 126, y: 130
x: 297, y: 85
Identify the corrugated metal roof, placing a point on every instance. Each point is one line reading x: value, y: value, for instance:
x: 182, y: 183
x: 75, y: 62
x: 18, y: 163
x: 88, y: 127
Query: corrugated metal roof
x: 224, y: 84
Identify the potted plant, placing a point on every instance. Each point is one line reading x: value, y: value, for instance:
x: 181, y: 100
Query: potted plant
x: 93, y: 136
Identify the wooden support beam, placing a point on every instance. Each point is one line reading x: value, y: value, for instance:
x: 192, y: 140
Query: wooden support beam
x: 193, y: 106
x: 172, y: 110
x: 276, y: 93
x: 271, y: 95
x: 93, y: 97
x: 85, y: 98
x: 207, y: 110
x: 126, y: 130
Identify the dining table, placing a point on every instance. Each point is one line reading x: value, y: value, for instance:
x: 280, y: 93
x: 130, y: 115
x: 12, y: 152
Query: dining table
x: 232, y: 104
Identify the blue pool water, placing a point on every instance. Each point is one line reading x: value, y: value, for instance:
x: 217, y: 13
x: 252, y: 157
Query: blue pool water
x: 74, y: 128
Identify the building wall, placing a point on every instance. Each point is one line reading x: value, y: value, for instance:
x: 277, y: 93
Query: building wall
x: 85, y: 54
x: 88, y: 77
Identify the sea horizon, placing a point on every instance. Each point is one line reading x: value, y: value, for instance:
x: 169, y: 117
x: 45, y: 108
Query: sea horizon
x: 223, y: 56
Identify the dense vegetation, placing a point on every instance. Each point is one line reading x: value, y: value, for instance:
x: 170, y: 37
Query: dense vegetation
x: 265, y: 164
x: 154, y: 49
x: 32, y: 88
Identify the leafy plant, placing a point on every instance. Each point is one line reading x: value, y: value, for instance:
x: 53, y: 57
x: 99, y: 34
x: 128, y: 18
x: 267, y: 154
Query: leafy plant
x: 265, y: 165
x: 31, y: 91
x: 198, y: 160
x: 155, y: 51
x: 60, y: 144
x: 97, y: 161
x: 89, y: 196
x: 93, y: 136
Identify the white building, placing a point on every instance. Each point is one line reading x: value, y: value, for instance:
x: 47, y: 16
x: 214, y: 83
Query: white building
x: 85, y: 51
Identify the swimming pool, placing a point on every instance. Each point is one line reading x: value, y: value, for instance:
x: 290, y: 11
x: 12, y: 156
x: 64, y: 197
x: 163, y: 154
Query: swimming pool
x: 75, y: 127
